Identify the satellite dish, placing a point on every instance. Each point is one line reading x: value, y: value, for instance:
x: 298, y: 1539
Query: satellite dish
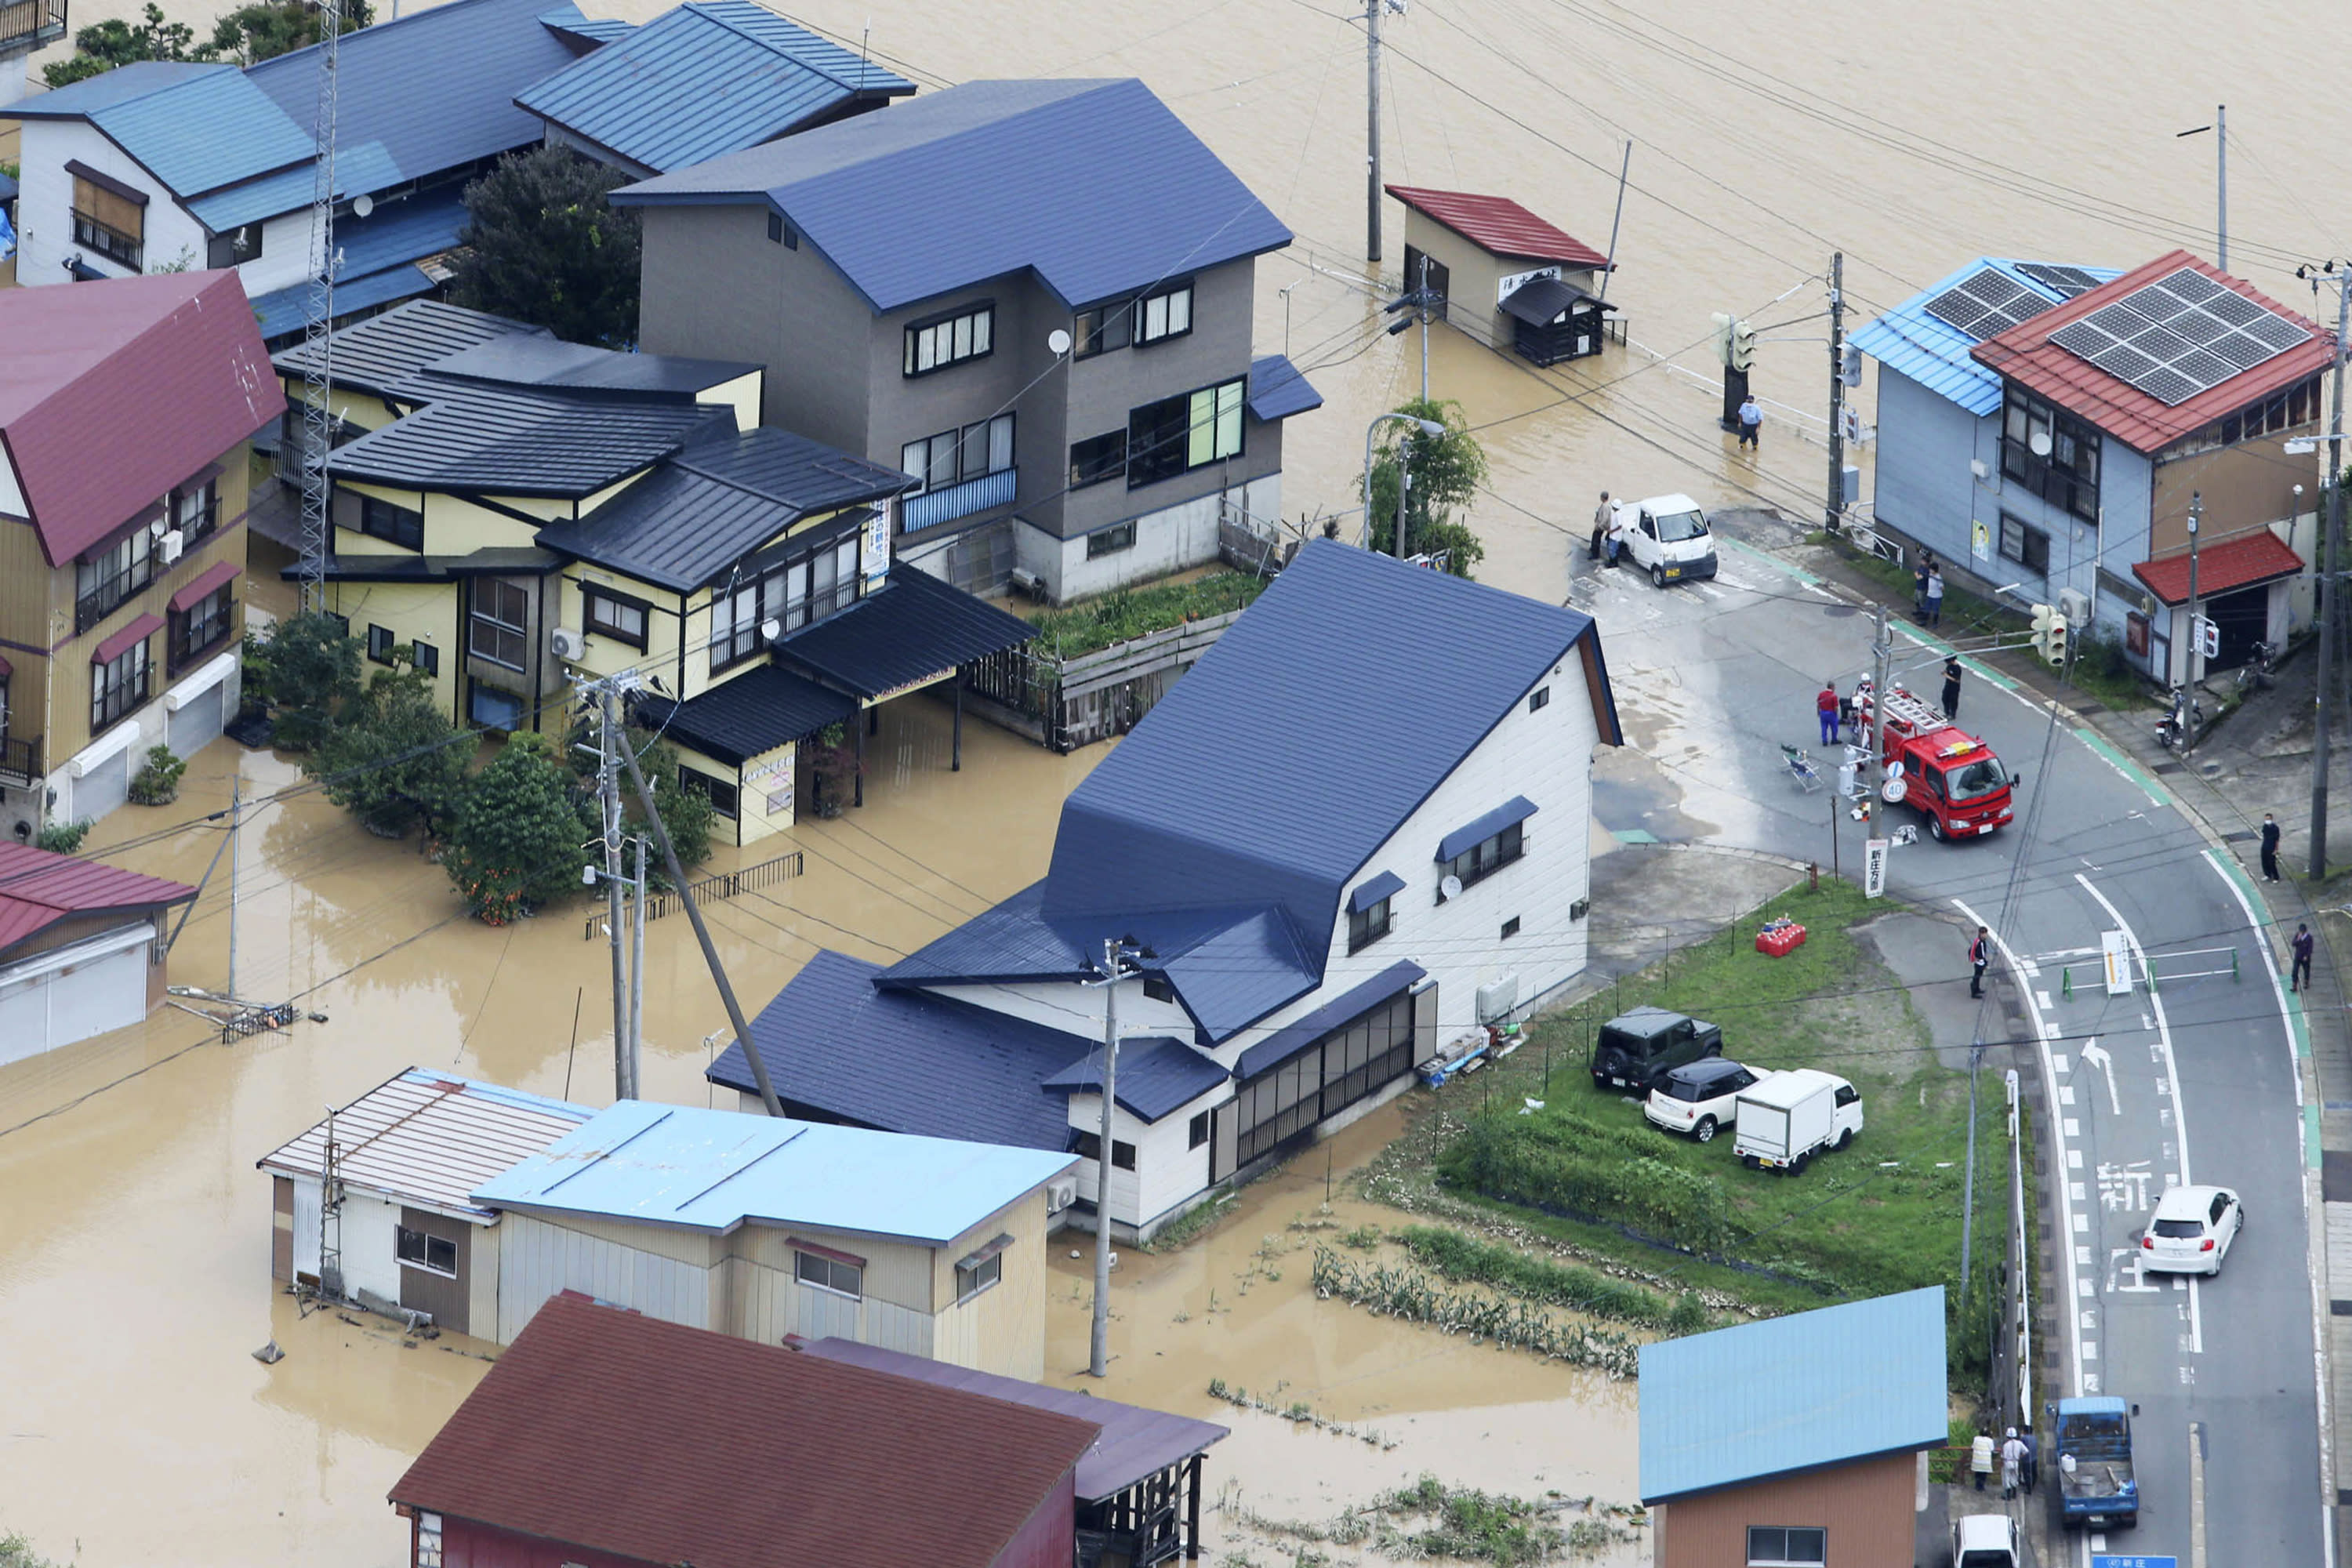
x: 1058, y: 341
x: 1894, y: 790
x: 362, y: 204
x: 770, y: 630
x: 1450, y: 889
x: 2040, y: 442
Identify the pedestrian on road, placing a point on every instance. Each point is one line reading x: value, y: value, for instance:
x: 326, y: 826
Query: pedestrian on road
x: 1980, y: 954
x: 2032, y: 1469
x: 2270, y: 847
x: 1980, y: 1457
x: 2299, y: 977
x: 1613, y: 544
x: 1752, y: 421
x: 1935, y: 594
x: 1827, y: 705
x: 2012, y: 1463
x: 1952, y: 688
x: 1602, y: 515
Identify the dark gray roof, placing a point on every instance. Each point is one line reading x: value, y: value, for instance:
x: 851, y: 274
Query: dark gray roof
x: 991, y: 166
x: 1156, y: 1075
x: 687, y: 521
x: 403, y: 567
x: 1541, y: 299
x: 535, y: 360
x: 1373, y: 890
x: 1484, y: 825
x: 916, y: 627
x: 375, y: 354
x: 1278, y: 389
x: 747, y: 715
x: 904, y: 1061
x: 1305, y: 1030
x: 471, y: 435
x: 1136, y: 1443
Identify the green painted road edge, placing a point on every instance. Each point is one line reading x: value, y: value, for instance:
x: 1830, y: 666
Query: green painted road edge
x: 2131, y: 770
x: 1766, y: 558
x: 2298, y: 1023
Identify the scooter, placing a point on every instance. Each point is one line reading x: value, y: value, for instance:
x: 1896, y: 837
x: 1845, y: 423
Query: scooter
x: 2181, y: 721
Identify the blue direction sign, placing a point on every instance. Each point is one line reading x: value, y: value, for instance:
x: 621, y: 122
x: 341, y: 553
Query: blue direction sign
x: 2106, y: 1560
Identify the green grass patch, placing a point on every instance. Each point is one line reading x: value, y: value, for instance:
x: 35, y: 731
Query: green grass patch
x: 1126, y: 614
x: 1467, y: 1259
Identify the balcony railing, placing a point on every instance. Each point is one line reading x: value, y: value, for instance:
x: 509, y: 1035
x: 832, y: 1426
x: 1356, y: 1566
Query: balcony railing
x: 31, y: 24
x: 20, y: 759
x: 111, y: 594
x: 949, y: 502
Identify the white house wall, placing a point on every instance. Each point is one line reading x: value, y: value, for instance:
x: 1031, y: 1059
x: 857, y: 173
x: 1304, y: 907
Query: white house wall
x: 45, y: 205
x: 537, y: 1260
x: 1169, y: 539
x: 371, y: 1242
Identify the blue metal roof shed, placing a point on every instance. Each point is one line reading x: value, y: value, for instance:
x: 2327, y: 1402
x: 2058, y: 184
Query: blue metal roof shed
x: 976, y: 182
x: 1912, y: 341
x: 711, y: 78
x: 714, y: 1171
x: 1798, y: 1393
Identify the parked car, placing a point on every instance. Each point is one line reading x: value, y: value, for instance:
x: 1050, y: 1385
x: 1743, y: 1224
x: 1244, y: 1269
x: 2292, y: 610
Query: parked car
x: 2096, y: 1487
x: 2192, y: 1230
x: 1701, y: 1097
x: 1986, y: 1541
x: 1792, y: 1116
x: 1639, y: 1047
x: 1668, y: 536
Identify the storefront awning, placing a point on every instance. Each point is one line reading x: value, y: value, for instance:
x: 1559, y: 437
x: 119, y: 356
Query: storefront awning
x: 914, y: 631
x: 1540, y: 302
x: 2257, y: 557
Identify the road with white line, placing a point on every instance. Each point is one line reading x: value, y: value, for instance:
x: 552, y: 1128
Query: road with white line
x: 2204, y: 1054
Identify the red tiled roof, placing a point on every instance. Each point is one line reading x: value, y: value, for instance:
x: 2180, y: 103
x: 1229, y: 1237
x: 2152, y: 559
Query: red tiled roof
x: 1500, y: 225
x: 626, y: 1435
x: 2025, y: 354
x: 37, y: 888
x: 113, y: 391
x: 2256, y: 557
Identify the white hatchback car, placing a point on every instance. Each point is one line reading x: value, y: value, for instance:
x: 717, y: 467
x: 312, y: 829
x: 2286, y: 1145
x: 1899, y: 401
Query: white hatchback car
x: 2192, y: 1230
x: 1700, y: 1097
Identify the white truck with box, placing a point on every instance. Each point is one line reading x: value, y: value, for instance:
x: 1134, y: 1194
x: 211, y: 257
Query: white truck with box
x: 1792, y: 1116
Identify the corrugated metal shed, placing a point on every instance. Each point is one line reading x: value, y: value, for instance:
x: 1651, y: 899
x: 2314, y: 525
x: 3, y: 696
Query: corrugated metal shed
x: 2259, y: 556
x: 1930, y: 351
x: 1793, y: 1394
x: 907, y: 1061
x: 430, y: 1138
x: 915, y: 628
x: 1156, y: 1075
x: 747, y: 715
x: 711, y: 78
x: 378, y: 354
x: 714, y: 1171
x: 507, y: 441
x: 1136, y: 1443
x: 171, y: 359
x: 1278, y: 389
x: 649, y: 1442
x: 38, y: 888
x: 2025, y: 354
x: 1499, y: 226
x: 991, y: 166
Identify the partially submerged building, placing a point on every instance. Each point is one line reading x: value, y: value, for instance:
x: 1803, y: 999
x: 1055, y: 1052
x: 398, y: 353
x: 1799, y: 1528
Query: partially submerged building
x: 1508, y: 278
x: 82, y: 948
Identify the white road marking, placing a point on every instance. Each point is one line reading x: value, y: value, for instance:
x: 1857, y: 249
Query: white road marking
x: 2196, y: 1320
x: 2042, y: 1000
x: 2156, y: 1006
x: 2066, y: 1094
x: 2074, y: 1128
x: 2076, y: 1189
x: 2082, y: 1222
x: 2059, y: 1063
x: 2083, y: 1286
x: 2097, y: 1056
x: 2082, y: 1258
x: 2074, y: 1158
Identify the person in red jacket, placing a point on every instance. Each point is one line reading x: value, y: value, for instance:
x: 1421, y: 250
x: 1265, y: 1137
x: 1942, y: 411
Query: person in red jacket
x: 1827, y: 705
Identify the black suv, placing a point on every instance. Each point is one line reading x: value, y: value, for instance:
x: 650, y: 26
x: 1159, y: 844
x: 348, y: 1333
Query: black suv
x: 1639, y: 1047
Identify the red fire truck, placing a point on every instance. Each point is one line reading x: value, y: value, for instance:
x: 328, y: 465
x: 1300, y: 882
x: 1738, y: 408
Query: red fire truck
x: 1940, y: 771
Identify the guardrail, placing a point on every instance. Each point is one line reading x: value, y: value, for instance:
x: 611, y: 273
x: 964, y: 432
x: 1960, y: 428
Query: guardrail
x: 725, y: 885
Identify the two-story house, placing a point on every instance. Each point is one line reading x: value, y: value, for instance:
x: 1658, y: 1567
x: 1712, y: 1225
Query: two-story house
x: 2051, y: 430
x: 126, y: 411
x: 1331, y: 872
x: 518, y: 512
x: 168, y: 164
x: 1035, y: 297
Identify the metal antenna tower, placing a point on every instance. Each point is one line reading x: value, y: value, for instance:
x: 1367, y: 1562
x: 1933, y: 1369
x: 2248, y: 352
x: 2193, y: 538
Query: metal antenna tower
x: 331, y: 1218
x: 318, y: 329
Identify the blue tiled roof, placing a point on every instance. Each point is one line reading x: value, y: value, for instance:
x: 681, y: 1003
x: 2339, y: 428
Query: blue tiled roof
x: 602, y: 29
x: 1373, y: 890
x: 713, y: 1171
x: 711, y: 78
x: 1156, y: 1075
x: 1238, y: 971
x: 1304, y: 1031
x: 286, y: 310
x: 1793, y: 1394
x: 366, y: 167
x: 107, y: 89
x: 1278, y: 389
x: 1267, y: 710
x: 1478, y: 829
x: 991, y: 167
x: 907, y: 1062
x: 207, y: 131
x: 1935, y: 353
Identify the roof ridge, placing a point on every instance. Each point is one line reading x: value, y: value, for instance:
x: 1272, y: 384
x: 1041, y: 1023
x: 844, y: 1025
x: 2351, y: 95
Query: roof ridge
x: 444, y: 7
x: 987, y: 127
x: 706, y: 10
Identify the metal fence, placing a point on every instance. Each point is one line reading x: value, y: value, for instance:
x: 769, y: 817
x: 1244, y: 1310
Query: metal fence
x: 725, y: 885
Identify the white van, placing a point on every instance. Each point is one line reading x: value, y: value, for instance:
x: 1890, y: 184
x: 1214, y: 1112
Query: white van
x: 1792, y: 1116
x: 1668, y: 537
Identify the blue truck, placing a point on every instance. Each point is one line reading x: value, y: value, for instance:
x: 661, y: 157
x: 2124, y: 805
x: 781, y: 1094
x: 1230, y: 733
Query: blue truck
x: 2095, y: 1487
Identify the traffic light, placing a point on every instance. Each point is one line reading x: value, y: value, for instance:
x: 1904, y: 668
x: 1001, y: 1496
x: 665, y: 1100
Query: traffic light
x: 1723, y: 325
x: 1743, y: 345
x: 2059, y: 633
x: 2050, y: 634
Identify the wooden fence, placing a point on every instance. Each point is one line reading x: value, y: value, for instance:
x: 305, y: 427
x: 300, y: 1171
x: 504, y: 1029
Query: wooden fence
x: 1065, y: 703
x: 725, y: 885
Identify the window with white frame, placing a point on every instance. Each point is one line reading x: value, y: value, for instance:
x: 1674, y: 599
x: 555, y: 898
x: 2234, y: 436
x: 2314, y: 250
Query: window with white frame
x: 1163, y: 315
x: 1787, y: 1546
x: 196, y: 510
x: 820, y: 580
x: 105, y: 578
x: 943, y: 341
x: 119, y: 686
x: 969, y: 452
x: 434, y: 1254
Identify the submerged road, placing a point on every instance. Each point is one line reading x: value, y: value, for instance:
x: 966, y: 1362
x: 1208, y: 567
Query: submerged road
x: 2193, y: 1074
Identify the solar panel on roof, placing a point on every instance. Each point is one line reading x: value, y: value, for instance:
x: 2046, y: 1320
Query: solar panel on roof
x: 2178, y: 336
x: 1986, y: 303
x: 2065, y: 281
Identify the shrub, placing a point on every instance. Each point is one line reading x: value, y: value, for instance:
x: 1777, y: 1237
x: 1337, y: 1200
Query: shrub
x: 1560, y: 1162
x: 394, y: 759
x: 62, y: 838
x: 515, y: 843
x: 688, y: 816
x: 157, y: 782
x: 310, y: 670
x: 1465, y: 1258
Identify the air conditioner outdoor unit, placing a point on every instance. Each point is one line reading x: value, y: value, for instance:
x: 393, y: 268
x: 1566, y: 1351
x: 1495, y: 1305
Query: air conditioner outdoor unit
x: 1497, y: 999
x: 567, y: 643
x: 2075, y: 605
x: 1028, y: 582
x: 1060, y: 1193
x: 170, y: 545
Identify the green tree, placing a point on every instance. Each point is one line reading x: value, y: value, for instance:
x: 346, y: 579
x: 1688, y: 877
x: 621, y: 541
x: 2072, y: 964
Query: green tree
x: 1446, y: 473
x: 516, y: 844
x: 544, y: 246
x: 688, y: 816
x: 310, y: 670
x: 267, y: 28
x: 393, y: 758
x: 102, y: 45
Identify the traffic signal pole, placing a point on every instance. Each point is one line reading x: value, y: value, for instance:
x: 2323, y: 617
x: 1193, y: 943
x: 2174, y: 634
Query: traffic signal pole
x: 1835, y: 512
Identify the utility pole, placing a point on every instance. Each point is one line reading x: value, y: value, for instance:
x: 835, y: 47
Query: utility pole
x: 235, y: 855
x: 608, y: 795
x: 637, y: 974
x: 1881, y: 646
x: 1969, y: 1194
x: 2331, y: 566
x: 2221, y: 187
x: 1422, y: 288
x: 1624, y: 169
x: 2196, y: 634
x: 1372, y: 133
x: 1837, y: 390
x: 1114, y: 970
